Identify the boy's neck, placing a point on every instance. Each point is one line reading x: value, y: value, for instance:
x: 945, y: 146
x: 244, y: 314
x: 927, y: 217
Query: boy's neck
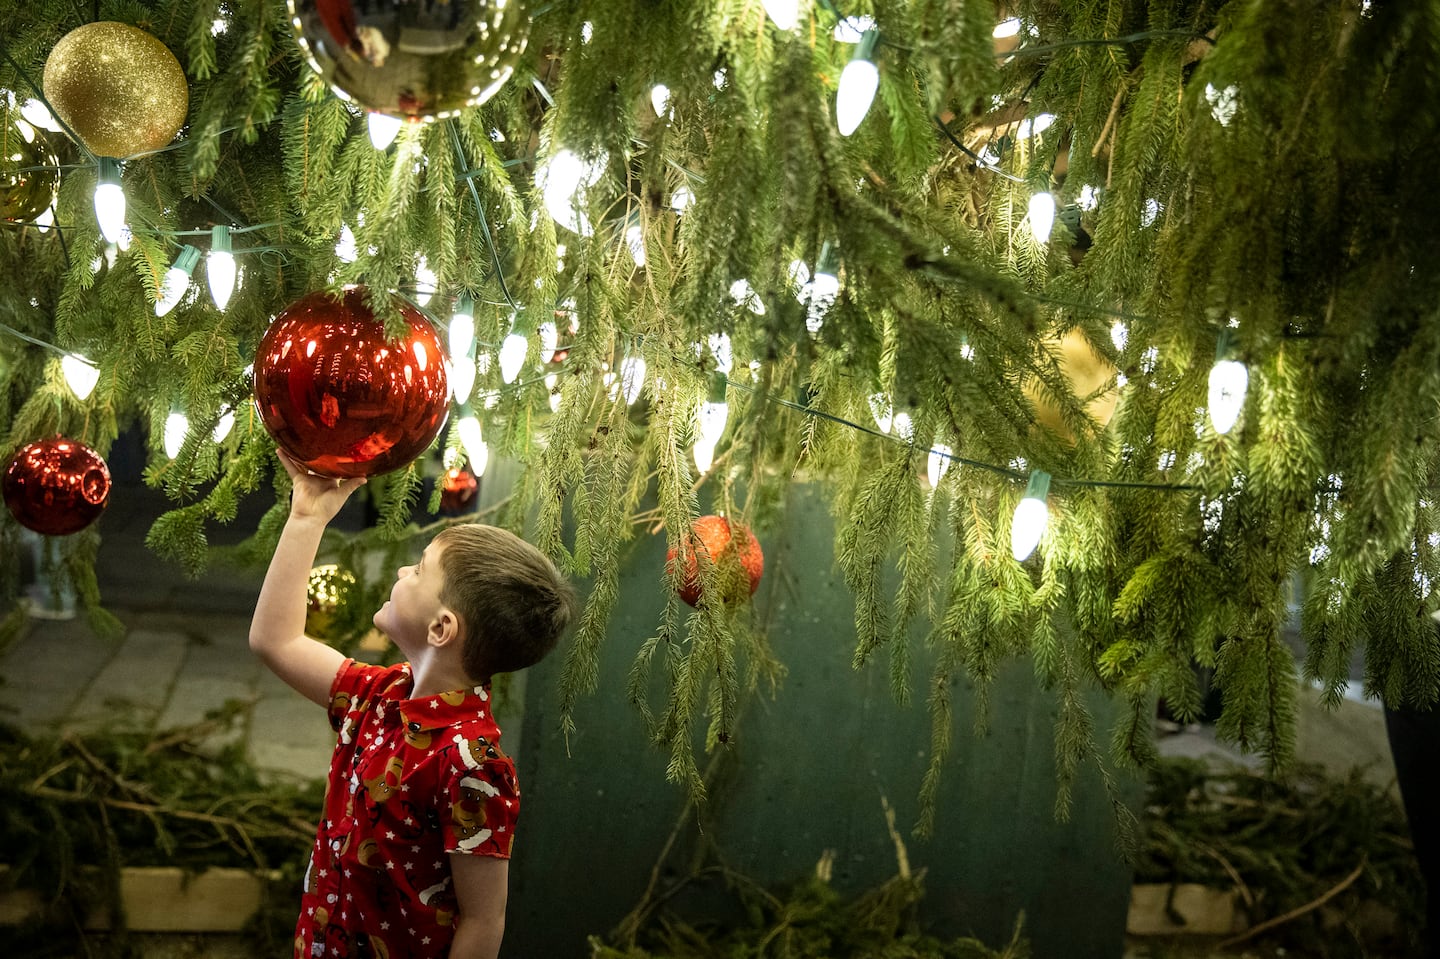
x: 434, y: 674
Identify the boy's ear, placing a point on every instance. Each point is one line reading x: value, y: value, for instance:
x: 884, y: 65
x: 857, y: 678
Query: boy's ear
x: 444, y: 628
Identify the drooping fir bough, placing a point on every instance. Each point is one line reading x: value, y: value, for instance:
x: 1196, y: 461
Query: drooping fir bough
x: 1236, y: 181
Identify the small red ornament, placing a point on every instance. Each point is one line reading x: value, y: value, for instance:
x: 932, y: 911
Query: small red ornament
x: 56, y: 486
x: 713, y: 535
x: 339, y: 397
x: 457, y: 489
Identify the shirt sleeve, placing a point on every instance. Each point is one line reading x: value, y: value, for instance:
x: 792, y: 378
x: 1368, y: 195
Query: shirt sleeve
x: 354, y: 683
x: 478, y: 809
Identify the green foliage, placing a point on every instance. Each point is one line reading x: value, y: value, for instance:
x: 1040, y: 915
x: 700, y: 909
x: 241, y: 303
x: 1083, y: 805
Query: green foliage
x: 1303, y: 218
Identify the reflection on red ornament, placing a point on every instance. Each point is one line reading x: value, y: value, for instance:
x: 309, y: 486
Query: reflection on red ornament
x: 713, y: 535
x: 339, y: 397
x: 56, y: 486
x: 560, y: 356
x: 457, y: 489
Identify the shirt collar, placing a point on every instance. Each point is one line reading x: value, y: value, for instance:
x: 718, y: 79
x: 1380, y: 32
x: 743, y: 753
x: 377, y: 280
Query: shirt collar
x: 439, y: 711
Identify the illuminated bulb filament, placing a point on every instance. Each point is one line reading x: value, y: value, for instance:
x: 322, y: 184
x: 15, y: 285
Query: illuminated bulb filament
x: 858, y: 83
x: 383, y: 129
x: 176, y: 426
x: 512, y: 356
x: 937, y: 464
x: 1031, y: 517
x: 632, y: 378
x: 462, y: 378
x: 785, y: 14
x: 1228, y: 382
x: 475, y: 449
x: 1041, y: 216
x: 80, y: 375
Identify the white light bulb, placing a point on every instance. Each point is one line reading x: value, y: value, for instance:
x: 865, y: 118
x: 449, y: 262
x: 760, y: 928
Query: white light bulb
x: 937, y: 464
x: 462, y: 378
x: 474, y: 443
x: 37, y: 113
x: 172, y: 290
x: 512, y: 356
x: 880, y: 409
x: 176, y: 426
x: 1006, y: 29
x: 1041, y: 215
x: 704, y: 455
x: 45, y: 220
x: 660, y: 98
x: 549, y: 340
x: 552, y: 383
x: 632, y: 378
x: 851, y: 29
x: 682, y: 199
x: 745, y: 296
x: 635, y: 240
x: 785, y: 14
x: 1031, y: 518
x: 561, y: 181
x: 220, y: 273
x: 80, y: 375
x: 383, y: 129
x: 425, y: 283
x: 223, y: 426
x: 711, y: 420
x: 710, y: 425
x: 345, y: 248
x: 462, y: 334
x: 720, y: 349
x: 858, y: 83
x: 903, y: 426
x: 1119, y: 335
x: 1028, y: 127
x: 110, y: 211
x: 1228, y: 382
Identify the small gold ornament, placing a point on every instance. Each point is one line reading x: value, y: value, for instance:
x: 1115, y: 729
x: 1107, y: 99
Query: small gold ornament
x: 1087, y: 372
x: 326, y: 595
x: 121, y: 90
x: 29, y: 172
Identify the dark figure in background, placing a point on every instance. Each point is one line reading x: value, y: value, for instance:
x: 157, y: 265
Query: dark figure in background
x: 1413, y: 735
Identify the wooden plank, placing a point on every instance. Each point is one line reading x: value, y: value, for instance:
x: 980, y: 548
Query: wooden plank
x: 1204, y: 911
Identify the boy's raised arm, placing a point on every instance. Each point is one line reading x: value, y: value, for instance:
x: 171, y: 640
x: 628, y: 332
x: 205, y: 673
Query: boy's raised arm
x: 277, y: 630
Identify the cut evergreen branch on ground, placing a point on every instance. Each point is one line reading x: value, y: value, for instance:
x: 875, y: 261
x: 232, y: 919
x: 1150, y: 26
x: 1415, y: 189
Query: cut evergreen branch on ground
x: 74, y: 810
x: 1322, y: 867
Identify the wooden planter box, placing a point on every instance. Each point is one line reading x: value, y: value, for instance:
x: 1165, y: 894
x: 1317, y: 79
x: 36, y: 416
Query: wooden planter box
x: 1204, y: 911
x: 165, y: 899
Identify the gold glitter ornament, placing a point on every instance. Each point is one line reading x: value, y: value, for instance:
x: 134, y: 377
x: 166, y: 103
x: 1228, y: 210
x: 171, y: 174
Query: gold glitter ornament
x: 29, y: 171
x: 412, y: 59
x: 121, y: 90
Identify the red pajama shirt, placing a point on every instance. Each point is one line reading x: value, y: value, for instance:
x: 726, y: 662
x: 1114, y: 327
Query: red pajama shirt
x: 411, y: 782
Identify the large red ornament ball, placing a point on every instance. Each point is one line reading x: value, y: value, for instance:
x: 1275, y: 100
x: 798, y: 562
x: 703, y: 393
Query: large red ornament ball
x: 714, y: 534
x: 56, y: 486
x: 339, y: 397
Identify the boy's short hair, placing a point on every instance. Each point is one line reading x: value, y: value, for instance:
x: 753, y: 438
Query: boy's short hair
x: 512, y: 600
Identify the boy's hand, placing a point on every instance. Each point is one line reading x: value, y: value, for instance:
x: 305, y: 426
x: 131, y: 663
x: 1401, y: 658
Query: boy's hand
x: 316, y: 497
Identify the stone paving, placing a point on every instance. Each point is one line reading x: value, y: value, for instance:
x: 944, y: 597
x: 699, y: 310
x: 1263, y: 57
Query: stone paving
x: 184, y: 654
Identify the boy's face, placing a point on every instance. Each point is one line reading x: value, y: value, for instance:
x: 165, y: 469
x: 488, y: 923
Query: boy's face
x: 414, y: 602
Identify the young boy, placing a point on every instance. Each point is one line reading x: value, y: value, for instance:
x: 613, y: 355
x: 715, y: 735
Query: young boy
x: 411, y: 859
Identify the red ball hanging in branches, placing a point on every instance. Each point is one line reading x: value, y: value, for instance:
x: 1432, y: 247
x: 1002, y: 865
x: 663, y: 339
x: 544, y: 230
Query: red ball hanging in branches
x: 342, y: 399
x: 732, y: 548
x: 457, y: 489
x: 56, y: 486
